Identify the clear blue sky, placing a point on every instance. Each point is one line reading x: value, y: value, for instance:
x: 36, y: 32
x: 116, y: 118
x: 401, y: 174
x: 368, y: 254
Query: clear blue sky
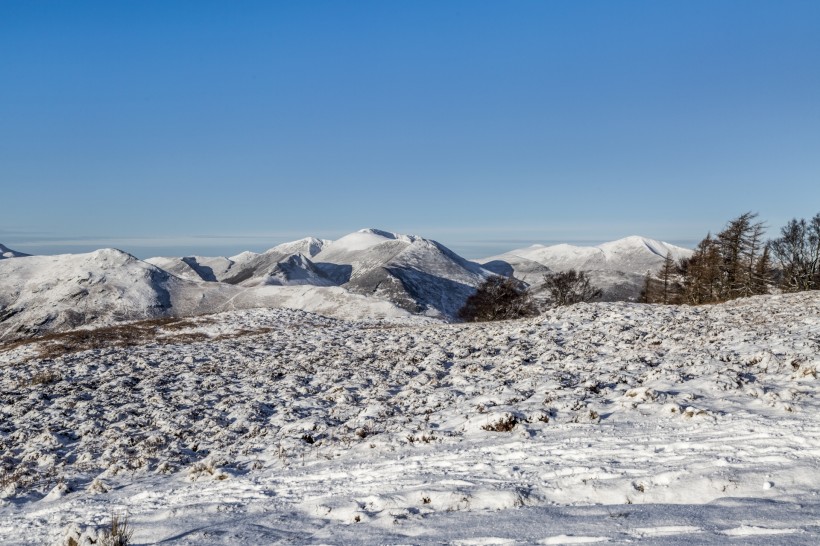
x: 212, y: 127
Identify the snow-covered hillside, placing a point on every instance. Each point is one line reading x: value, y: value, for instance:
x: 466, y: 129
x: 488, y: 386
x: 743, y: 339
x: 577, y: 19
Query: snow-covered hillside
x: 6, y: 252
x: 608, y: 422
x: 417, y: 274
x: 42, y: 294
x: 369, y: 269
x: 617, y: 267
x: 247, y: 268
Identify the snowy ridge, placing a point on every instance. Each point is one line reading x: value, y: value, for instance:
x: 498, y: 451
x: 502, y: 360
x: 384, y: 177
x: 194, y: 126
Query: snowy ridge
x: 45, y: 293
x: 281, y: 426
x: 6, y: 252
x: 42, y: 294
x: 630, y: 255
x: 394, y: 273
x: 617, y: 267
x: 417, y: 274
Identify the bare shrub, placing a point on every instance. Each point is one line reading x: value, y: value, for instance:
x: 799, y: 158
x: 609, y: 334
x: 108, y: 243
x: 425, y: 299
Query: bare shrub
x: 498, y: 298
x: 570, y: 287
x: 45, y: 377
x: 505, y: 424
x: 118, y: 532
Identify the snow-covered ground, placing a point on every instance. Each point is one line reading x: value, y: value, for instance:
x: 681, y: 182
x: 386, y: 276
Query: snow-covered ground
x: 609, y: 422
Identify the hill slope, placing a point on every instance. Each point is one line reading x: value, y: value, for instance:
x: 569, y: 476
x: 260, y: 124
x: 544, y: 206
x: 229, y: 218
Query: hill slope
x: 617, y: 423
x: 617, y: 267
x: 40, y: 294
x: 417, y: 274
x: 247, y: 268
x: 6, y: 252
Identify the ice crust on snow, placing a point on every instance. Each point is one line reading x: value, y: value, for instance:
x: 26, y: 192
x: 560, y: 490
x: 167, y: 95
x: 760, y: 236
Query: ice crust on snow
x: 608, y: 421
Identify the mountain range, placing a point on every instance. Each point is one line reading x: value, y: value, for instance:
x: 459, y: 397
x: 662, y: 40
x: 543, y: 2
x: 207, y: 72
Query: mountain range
x: 617, y: 267
x: 367, y: 274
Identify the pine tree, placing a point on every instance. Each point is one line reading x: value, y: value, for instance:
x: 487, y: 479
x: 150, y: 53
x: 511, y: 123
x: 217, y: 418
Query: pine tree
x: 649, y: 290
x: 762, y: 277
x: 702, y: 278
x: 669, y: 284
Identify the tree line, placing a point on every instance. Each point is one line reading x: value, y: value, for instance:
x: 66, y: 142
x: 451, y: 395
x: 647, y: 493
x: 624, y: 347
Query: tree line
x: 738, y: 262
x: 505, y: 298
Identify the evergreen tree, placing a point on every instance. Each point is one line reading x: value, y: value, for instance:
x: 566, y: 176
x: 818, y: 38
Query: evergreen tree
x: 735, y: 263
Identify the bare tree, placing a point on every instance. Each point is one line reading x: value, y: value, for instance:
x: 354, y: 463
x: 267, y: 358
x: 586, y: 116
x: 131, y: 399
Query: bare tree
x: 664, y: 286
x: 569, y: 287
x: 797, y: 252
x: 498, y: 298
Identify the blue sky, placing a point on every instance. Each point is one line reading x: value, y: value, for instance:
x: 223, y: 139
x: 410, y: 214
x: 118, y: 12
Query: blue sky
x: 212, y: 127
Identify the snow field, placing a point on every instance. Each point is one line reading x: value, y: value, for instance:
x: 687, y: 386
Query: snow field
x: 595, y: 423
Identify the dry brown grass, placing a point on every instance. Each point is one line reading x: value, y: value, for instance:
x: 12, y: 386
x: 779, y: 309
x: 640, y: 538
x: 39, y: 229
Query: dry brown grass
x: 505, y: 424
x: 162, y: 331
x: 122, y: 335
x: 118, y: 532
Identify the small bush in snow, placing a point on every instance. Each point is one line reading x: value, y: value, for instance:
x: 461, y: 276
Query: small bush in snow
x: 569, y: 287
x: 498, y: 298
x: 118, y: 532
x: 505, y: 424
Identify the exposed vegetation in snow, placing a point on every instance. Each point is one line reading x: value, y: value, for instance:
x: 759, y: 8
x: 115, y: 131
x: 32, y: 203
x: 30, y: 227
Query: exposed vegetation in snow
x: 265, y: 425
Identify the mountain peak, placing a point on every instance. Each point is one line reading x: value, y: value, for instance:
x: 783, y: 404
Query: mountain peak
x: 6, y: 252
x: 389, y: 235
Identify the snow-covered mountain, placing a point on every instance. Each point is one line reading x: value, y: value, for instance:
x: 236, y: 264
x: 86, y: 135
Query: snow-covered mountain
x: 40, y: 294
x: 617, y: 267
x: 274, y: 266
x: 368, y: 273
x: 246, y: 268
x: 45, y: 293
x: 195, y: 268
x: 6, y: 252
x: 418, y: 274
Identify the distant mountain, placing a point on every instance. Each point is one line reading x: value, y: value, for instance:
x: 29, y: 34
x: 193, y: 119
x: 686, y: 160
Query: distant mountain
x: 6, y: 252
x: 617, y: 267
x: 44, y: 293
x: 247, y: 268
x: 275, y: 266
x: 417, y: 274
x: 194, y: 268
x: 41, y: 294
x: 366, y: 274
